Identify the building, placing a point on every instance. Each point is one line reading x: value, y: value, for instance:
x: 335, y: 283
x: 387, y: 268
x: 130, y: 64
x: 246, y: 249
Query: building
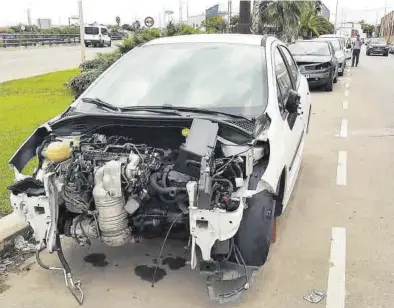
x: 387, y: 27
x: 195, y: 21
x: 349, y: 29
x: 44, y: 23
x: 324, y: 11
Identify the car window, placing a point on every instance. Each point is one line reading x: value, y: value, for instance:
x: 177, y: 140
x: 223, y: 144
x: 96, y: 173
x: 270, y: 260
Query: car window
x: 292, y: 65
x: 217, y: 76
x: 92, y: 30
x: 310, y: 48
x: 283, y: 78
x: 104, y: 31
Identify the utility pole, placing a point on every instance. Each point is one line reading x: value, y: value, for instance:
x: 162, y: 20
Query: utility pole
x: 187, y: 9
x: 336, y: 16
x: 82, y: 32
x: 29, y: 17
x: 385, y: 8
x: 180, y: 12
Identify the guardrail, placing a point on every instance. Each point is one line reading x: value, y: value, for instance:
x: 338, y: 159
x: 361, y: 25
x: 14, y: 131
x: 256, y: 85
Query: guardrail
x: 32, y: 39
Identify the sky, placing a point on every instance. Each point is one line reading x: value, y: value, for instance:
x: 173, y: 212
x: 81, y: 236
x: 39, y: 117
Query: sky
x: 104, y: 11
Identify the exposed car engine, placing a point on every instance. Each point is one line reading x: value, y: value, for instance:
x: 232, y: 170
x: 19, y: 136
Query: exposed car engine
x: 109, y: 187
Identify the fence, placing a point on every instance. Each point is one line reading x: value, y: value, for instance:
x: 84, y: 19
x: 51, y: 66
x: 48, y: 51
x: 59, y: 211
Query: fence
x: 33, y: 39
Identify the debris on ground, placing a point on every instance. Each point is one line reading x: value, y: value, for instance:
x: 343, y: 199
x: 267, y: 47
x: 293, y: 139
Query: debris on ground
x: 315, y: 297
x: 22, y: 250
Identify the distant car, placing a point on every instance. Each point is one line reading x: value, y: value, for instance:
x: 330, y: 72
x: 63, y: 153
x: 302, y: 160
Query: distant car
x: 97, y: 36
x: 346, y: 43
x: 391, y: 48
x: 317, y: 62
x: 378, y: 46
x: 339, y: 52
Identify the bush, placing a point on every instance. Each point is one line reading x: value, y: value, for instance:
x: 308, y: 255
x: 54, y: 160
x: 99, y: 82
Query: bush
x: 80, y: 83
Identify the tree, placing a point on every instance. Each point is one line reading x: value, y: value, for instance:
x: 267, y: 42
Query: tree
x: 285, y: 15
x: 118, y: 20
x: 367, y: 28
x: 214, y: 24
x: 311, y: 23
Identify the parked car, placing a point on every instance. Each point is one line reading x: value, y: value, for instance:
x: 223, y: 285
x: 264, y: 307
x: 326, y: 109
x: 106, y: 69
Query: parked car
x: 97, y: 36
x: 391, y: 48
x: 317, y: 62
x: 207, y: 138
x: 339, y: 53
x: 346, y: 43
x: 378, y: 46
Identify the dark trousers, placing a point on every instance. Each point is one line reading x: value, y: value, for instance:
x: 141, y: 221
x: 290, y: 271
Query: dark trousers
x: 356, y: 56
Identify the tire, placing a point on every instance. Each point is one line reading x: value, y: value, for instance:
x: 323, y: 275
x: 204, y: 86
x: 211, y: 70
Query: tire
x: 336, y: 79
x: 340, y: 74
x: 329, y: 86
x: 386, y: 54
x: 110, y: 43
x: 368, y: 54
x: 253, y: 238
x: 86, y: 45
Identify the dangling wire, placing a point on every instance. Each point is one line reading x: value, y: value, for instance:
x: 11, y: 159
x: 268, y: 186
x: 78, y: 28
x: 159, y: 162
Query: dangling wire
x: 162, y: 247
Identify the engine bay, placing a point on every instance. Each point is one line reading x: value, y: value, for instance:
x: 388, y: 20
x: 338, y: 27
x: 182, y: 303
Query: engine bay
x: 114, y: 188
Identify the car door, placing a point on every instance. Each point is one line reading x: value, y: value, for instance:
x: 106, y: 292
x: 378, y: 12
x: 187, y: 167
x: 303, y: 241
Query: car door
x: 288, y: 78
x: 105, y: 35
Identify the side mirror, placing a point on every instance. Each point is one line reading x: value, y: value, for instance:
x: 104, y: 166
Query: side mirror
x: 293, y: 102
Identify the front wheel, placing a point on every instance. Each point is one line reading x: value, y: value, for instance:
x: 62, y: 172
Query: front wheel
x: 330, y: 85
x: 386, y: 54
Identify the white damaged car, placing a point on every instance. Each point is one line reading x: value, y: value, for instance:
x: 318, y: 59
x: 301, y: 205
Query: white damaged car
x: 202, y: 133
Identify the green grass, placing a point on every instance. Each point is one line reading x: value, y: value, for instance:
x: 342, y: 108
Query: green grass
x: 24, y: 105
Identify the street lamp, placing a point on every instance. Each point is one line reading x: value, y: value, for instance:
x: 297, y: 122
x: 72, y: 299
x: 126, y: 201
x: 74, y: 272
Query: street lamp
x: 82, y: 32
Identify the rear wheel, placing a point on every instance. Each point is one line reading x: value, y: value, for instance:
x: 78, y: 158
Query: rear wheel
x: 386, y: 54
x: 86, y: 45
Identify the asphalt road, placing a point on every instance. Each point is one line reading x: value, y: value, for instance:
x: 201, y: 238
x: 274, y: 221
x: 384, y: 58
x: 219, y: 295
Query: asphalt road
x: 336, y: 235
x: 23, y: 63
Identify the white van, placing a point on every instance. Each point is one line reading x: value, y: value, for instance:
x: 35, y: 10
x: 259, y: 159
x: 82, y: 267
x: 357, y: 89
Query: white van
x: 96, y: 35
x: 346, y: 43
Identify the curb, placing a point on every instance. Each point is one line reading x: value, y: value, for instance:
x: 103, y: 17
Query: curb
x: 10, y: 227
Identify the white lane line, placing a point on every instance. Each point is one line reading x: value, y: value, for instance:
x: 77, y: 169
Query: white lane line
x: 345, y: 105
x: 346, y: 93
x: 336, y: 287
x: 347, y: 85
x: 343, y: 131
x: 342, y: 168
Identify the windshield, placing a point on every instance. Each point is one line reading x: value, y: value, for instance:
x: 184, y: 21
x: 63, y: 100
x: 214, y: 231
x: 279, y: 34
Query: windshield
x: 378, y: 41
x: 92, y: 30
x: 335, y: 42
x: 221, y: 77
x: 310, y: 48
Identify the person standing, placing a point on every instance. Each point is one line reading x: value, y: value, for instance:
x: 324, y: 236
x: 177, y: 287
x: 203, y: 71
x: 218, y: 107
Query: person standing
x: 356, y: 51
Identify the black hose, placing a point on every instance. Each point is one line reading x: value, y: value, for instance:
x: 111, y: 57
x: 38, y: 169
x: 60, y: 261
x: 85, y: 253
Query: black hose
x: 61, y: 256
x: 172, y: 191
x: 165, y: 175
x: 231, y: 186
x: 39, y: 260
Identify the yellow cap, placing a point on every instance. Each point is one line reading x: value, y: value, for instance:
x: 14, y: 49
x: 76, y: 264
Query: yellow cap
x: 185, y: 132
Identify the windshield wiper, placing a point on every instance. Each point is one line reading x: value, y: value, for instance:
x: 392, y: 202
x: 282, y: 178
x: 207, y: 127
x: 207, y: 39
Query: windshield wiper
x: 202, y: 110
x: 156, y: 109
x: 100, y: 103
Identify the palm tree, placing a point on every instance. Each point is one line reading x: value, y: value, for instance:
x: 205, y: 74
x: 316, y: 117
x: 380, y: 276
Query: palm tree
x: 311, y: 23
x: 118, y: 20
x: 285, y: 15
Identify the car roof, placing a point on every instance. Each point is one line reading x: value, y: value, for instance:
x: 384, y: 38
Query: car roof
x: 243, y: 39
